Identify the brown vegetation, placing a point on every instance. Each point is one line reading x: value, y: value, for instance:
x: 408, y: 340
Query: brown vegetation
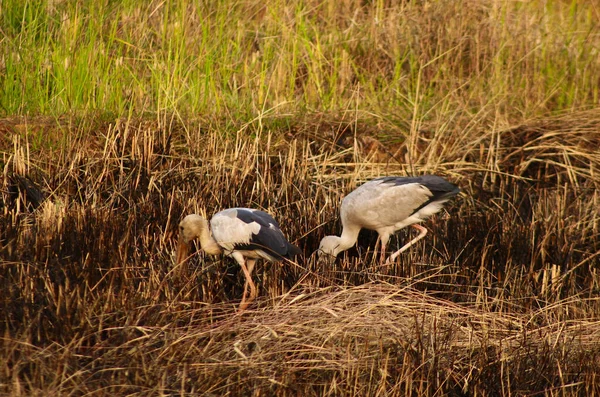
x: 499, y: 299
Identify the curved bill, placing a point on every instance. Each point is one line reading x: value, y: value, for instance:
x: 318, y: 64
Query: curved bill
x: 183, y: 250
x: 323, y: 258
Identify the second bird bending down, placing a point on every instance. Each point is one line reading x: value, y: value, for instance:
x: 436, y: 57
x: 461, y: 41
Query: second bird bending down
x: 387, y: 205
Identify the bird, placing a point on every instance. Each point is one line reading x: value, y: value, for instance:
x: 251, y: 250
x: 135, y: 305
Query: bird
x: 245, y: 234
x: 386, y: 205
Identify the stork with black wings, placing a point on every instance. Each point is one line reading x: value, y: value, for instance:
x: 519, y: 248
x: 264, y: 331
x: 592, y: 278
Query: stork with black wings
x: 387, y: 205
x: 242, y: 233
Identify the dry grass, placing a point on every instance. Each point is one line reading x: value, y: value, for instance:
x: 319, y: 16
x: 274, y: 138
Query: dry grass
x: 366, y: 340
x: 499, y: 299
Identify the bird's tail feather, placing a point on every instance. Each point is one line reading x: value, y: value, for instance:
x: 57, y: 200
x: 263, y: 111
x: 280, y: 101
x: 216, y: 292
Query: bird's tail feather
x: 293, y: 252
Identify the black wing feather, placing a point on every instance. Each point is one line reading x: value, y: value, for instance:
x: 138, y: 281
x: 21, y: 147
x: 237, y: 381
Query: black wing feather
x: 440, y: 188
x: 270, y: 238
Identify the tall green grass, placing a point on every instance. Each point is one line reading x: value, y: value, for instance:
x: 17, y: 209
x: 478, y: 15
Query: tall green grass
x: 398, y: 60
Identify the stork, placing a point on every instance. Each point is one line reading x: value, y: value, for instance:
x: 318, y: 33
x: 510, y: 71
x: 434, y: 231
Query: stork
x: 242, y: 233
x: 387, y: 205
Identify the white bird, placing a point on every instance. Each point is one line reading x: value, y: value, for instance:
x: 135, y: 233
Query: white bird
x: 387, y: 205
x: 242, y: 233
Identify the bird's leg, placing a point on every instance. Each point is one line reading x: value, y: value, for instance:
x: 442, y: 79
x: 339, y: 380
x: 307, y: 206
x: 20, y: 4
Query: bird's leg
x: 382, y: 268
x: 384, y: 237
x: 406, y: 246
x: 248, y: 274
x: 382, y: 254
x: 253, y: 289
x: 381, y: 245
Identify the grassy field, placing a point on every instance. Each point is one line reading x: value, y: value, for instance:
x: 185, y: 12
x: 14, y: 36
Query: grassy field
x: 119, y: 118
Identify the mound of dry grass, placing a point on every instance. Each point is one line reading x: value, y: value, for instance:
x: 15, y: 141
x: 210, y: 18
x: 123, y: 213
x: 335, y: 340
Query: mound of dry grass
x: 374, y: 339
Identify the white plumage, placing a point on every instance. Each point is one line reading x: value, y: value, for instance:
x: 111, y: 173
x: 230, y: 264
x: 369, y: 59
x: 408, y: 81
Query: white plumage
x: 244, y: 234
x: 387, y: 205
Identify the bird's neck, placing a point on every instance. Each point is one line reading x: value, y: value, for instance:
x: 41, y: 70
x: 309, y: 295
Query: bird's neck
x: 348, y: 237
x: 207, y: 241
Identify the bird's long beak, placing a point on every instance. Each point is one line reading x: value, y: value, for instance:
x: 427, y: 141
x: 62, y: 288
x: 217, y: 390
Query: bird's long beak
x: 324, y: 259
x: 183, y: 250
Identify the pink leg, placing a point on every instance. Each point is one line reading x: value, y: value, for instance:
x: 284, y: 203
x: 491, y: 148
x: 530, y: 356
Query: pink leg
x: 406, y: 246
x: 382, y: 255
x: 248, y: 274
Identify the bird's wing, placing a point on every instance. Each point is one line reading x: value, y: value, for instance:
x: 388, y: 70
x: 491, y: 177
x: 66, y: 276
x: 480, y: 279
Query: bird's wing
x: 248, y: 229
x: 440, y: 188
x: 382, y: 203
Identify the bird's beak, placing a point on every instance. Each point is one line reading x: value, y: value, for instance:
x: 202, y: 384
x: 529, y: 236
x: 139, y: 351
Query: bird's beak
x: 183, y: 250
x: 323, y: 258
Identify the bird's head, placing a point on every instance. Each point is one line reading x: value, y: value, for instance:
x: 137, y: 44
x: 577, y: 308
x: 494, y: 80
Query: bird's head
x: 190, y: 228
x: 329, y: 248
